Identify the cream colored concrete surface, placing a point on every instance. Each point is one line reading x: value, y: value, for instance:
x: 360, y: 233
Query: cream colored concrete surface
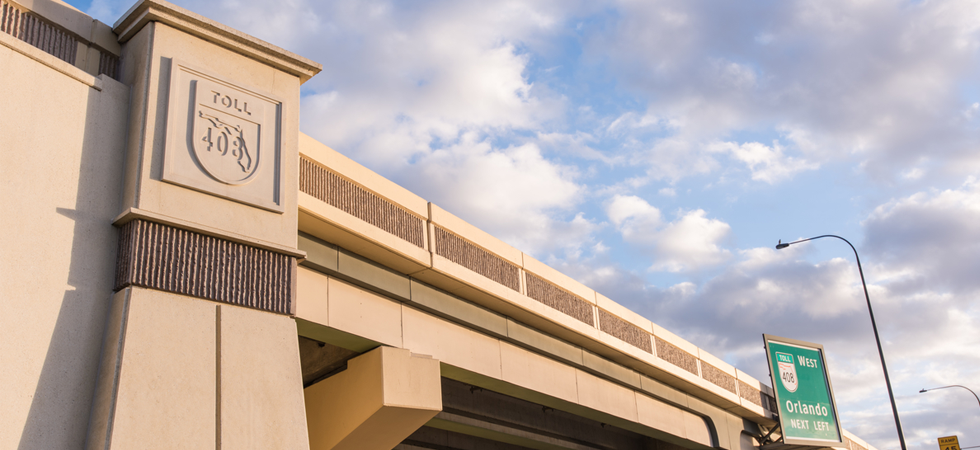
x: 480, y: 238
x: 752, y: 408
x: 364, y: 313
x: 132, y: 214
x: 360, y: 236
x: 451, y: 343
x: 463, y: 282
x: 507, y: 301
x: 672, y: 338
x: 566, y: 282
x: 471, y: 279
x: 456, y: 309
x: 624, y: 313
x: 717, y: 362
x: 497, y: 364
x: 103, y: 401
x: 330, y: 224
x: 379, y: 278
x: 181, y: 372
x: 146, y: 11
x: 61, y: 167
x: 732, y: 397
x: 49, y: 60
x: 536, y: 339
x: 663, y: 391
x: 610, y: 369
x: 379, y: 400
x: 605, y: 396
x: 261, y: 387
x: 152, y: 51
x: 725, y: 423
x: 363, y: 176
x: 661, y: 416
x: 75, y: 22
x: 313, y: 290
x: 538, y: 373
x: 166, y: 394
x: 626, y: 354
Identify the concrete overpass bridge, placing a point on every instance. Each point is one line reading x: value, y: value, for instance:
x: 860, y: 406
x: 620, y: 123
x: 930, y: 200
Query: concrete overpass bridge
x: 183, y: 268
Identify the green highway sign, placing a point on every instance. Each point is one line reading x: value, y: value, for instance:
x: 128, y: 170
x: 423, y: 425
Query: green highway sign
x: 805, y: 398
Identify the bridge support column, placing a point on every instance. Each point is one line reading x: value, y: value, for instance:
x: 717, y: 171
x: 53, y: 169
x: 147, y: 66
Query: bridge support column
x: 381, y: 399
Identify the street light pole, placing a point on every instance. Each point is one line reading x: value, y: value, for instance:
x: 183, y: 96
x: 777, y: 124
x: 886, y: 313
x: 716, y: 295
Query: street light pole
x: 874, y: 326
x: 953, y: 385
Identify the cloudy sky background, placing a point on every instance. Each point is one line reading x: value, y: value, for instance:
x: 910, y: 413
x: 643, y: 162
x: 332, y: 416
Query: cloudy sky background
x: 657, y: 150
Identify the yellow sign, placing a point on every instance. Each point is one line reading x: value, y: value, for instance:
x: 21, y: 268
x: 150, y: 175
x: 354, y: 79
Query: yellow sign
x: 949, y: 443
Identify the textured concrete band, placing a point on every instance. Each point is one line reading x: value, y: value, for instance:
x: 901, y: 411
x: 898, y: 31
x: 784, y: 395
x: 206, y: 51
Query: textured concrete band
x: 336, y: 191
x: 674, y: 355
x: 557, y: 298
x: 625, y: 331
x: 171, y: 259
x: 460, y: 251
x: 721, y: 379
x: 38, y: 32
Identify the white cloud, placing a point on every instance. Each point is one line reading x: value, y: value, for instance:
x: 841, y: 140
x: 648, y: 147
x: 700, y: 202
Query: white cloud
x: 675, y: 158
x: 632, y: 214
x: 513, y: 193
x: 877, y: 81
x: 931, y: 237
x: 577, y: 144
x: 690, y: 243
x: 768, y: 164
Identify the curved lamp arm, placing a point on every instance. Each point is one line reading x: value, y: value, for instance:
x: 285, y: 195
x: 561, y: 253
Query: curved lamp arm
x: 874, y: 326
x: 953, y: 385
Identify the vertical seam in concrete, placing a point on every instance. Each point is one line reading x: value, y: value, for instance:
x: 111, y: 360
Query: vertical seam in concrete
x: 146, y: 109
x: 118, y: 368
x: 500, y: 358
x: 217, y: 377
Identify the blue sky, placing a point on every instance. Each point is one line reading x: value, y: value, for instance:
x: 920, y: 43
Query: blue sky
x: 658, y: 150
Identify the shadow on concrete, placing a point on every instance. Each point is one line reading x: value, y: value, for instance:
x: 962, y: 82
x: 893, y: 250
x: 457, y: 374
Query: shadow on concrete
x: 60, y: 408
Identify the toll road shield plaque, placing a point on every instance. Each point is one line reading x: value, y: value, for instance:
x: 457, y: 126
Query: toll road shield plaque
x: 787, y: 371
x: 223, y: 138
x: 226, y: 142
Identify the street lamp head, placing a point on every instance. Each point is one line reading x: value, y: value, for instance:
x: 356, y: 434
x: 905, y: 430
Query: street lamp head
x: 781, y: 245
x: 924, y: 390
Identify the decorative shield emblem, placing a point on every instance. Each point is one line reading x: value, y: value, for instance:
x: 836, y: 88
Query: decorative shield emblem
x: 787, y: 371
x: 224, y: 135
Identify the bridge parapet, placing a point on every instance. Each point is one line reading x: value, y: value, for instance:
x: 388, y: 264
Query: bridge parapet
x: 346, y: 204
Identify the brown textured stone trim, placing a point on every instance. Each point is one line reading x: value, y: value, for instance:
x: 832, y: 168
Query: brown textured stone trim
x: 336, y: 191
x: 674, y: 355
x: 459, y: 251
x: 108, y: 64
x: 625, y: 331
x: 750, y: 393
x: 770, y: 401
x: 171, y: 259
x: 718, y: 377
x: 32, y: 29
x: 558, y: 298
